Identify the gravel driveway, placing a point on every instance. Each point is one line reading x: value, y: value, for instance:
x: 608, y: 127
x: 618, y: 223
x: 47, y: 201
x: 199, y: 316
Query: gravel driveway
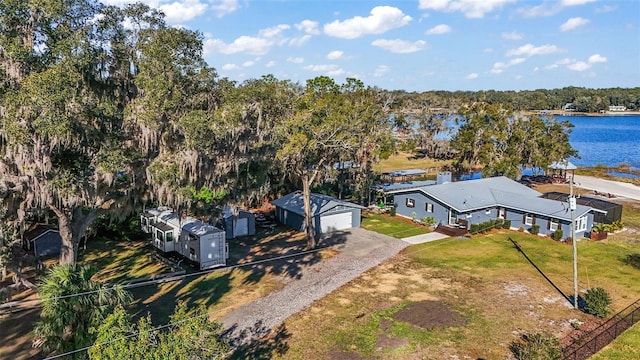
x: 359, y: 250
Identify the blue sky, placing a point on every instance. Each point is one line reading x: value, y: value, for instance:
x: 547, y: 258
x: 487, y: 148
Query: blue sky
x: 420, y: 45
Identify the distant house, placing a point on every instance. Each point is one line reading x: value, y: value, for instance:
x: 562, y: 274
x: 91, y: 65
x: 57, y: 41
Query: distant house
x: 43, y: 240
x: 329, y: 214
x: 476, y: 201
x: 617, y: 108
x: 569, y: 107
x: 240, y: 223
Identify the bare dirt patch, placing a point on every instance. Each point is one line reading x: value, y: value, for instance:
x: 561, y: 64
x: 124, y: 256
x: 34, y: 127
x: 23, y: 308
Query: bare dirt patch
x: 343, y: 355
x: 387, y: 341
x: 429, y: 315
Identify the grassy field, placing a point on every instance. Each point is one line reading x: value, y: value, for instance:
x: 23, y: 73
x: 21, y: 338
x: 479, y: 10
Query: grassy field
x: 392, y: 226
x: 485, y: 279
x: 405, y: 160
x: 601, y: 171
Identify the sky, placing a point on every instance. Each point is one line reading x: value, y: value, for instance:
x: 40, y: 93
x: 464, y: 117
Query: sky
x: 419, y: 45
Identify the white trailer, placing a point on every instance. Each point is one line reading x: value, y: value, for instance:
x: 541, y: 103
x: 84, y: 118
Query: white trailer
x: 166, y: 235
x: 150, y: 216
x: 203, y: 244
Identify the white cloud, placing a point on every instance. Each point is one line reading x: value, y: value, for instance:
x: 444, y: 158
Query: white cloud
x: 399, y: 46
x: 597, y: 58
x: 382, y: 19
x: 300, y: 40
x: 270, y: 64
x: 253, y: 45
x: 470, y: 8
x: 296, y: 60
x: 518, y: 77
x: 579, y: 66
x: 335, y: 55
x: 308, y: 26
x: 439, y: 29
x: 186, y: 10
x: 549, y: 8
x: 487, y: 50
x: 273, y: 31
x: 243, y: 44
x: 512, y: 36
x: 606, y: 8
x: 224, y: 7
x: 499, y: 67
x: 531, y: 50
x: 330, y: 70
x: 381, y: 70
x: 228, y: 67
x: 575, y: 2
x: 573, y: 23
x: 248, y: 63
x: 472, y: 76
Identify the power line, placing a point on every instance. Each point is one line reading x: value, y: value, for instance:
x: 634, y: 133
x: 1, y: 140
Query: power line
x: 11, y: 305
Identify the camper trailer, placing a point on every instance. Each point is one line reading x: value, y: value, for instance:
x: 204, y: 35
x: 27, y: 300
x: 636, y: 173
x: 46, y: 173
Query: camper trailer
x: 203, y: 244
x: 199, y: 242
x: 151, y: 215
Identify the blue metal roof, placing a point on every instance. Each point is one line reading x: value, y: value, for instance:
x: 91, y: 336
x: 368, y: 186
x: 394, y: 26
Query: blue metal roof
x: 319, y: 203
x: 390, y: 188
x: 408, y: 172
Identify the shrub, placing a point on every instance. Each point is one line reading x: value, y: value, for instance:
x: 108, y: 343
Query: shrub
x: 633, y: 260
x: 506, y: 224
x: 498, y: 223
x: 392, y: 211
x: 557, y: 235
x: 535, y: 229
x: 597, y: 301
x: 474, y: 228
x: 537, y: 346
x: 521, y: 229
x: 429, y: 220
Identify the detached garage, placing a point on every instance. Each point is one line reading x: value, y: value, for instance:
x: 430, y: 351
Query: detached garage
x: 238, y: 223
x: 329, y: 214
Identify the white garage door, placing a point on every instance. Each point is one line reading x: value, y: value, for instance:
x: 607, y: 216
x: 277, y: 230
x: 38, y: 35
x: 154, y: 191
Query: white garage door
x: 335, y: 222
x: 242, y: 227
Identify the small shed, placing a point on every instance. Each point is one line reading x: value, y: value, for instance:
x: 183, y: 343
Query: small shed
x: 329, y: 214
x: 43, y: 240
x: 236, y: 225
x: 203, y: 244
x: 608, y: 214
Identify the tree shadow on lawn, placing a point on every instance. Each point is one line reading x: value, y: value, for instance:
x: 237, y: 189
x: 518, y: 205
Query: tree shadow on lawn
x: 288, y: 250
x: 257, y: 342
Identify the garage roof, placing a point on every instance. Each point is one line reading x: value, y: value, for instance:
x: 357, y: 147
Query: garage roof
x: 320, y: 204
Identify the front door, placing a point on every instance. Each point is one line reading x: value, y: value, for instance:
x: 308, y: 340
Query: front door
x: 452, y: 217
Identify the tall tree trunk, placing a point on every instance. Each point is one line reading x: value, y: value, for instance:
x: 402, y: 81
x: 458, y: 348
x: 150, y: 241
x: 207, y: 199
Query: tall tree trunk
x: 69, y: 248
x: 308, y: 219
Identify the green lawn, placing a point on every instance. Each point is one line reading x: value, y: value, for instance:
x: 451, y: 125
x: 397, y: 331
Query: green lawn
x: 486, y: 279
x: 405, y: 160
x: 392, y: 226
x: 627, y: 346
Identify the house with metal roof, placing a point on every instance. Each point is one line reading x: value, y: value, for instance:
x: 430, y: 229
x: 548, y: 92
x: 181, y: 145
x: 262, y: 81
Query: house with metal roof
x: 329, y: 214
x: 476, y: 201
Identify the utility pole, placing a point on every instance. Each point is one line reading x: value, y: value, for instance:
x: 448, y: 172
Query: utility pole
x: 572, y: 207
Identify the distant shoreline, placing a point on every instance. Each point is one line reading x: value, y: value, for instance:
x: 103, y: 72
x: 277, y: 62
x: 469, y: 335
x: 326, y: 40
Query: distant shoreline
x: 575, y: 113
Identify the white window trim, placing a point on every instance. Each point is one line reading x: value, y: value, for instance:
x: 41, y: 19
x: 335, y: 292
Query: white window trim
x: 410, y: 203
x: 581, y: 223
x: 553, y: 226
x: 501, y: 213
x: 528, y: 219
x: 429, y: 207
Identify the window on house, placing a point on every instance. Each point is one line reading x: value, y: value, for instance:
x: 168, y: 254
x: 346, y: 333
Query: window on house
x: 159, y: 235
x: 429, y: 207
x: 192, y: 252
x: 502, y: 213
x: 528, y: 219
x: 553, y: 224
x: 169, y: 236
x: 193, y: 237
x: 410, y: 202
x: 581, y: 223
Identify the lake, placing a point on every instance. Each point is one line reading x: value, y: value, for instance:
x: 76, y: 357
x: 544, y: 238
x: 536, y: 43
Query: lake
x: 606, y: 140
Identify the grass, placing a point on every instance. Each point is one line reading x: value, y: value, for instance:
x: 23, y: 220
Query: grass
x: 392, y: 226
x: 405, y: 160
x: 485, y: 279
x: 627, y: 346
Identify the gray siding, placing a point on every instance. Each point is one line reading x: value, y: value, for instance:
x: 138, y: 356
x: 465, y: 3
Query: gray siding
x: 229, y: 222
x: 440, y: 211
x: 296, y: 221
x: 441, y: 214
x: 47, y: 244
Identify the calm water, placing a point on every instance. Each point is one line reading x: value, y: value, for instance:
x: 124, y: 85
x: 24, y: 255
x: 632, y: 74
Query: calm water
x: 607, y: 140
